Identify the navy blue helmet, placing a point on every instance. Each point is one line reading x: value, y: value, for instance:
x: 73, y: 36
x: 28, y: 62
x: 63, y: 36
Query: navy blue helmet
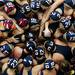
x: 66, y: 23
x: 25, y: 9
x: 55, y: 16
x: 27, y: 61
x: 49, y: 64
x: 30, y: 36
x: 69, y: 36
x: 6, y: 49
x: 50, y: 46
x: 39, y: 52
x: 35, y: 5
x: 33, y: 21
x: 30, y: 46
x: 12, y: 63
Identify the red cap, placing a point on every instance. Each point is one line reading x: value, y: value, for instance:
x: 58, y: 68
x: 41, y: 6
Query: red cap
x: 8, y: 24
x: 9, y: 6
x: 22, y: 22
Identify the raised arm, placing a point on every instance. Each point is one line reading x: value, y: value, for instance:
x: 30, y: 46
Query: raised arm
x: 50, y: 9
x: 4, y: 15
x: 37, y: 69
x: 48, y: 12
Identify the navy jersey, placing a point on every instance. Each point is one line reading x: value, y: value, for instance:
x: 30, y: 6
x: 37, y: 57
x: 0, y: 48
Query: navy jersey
x: 71, y: 3
x: 54, y: 26
x: 18, y: 15
x: 65, y: 51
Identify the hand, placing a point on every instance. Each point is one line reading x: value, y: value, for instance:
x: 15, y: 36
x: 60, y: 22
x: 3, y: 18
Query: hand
x: 47, y: 33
